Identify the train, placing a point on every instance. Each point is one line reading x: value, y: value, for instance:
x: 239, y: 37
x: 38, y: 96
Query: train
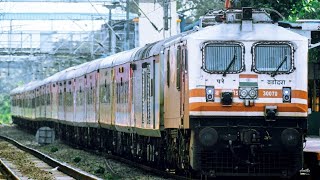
x: 228, y: 99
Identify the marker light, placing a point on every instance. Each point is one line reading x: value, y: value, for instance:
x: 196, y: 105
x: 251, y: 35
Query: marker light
x: 209, y: 93
x: 286, y: 94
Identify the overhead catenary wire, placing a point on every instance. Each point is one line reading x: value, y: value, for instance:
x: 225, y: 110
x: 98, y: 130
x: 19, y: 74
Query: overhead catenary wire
x: 118, y: 37
x: 154, y: 26
x: 98, y: 42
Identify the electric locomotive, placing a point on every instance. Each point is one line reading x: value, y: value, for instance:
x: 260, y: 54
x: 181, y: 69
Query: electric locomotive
x: 229, y: 99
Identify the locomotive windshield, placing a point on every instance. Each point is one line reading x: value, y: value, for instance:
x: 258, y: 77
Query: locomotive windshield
x: 273, y: 58
x: 223, y: 58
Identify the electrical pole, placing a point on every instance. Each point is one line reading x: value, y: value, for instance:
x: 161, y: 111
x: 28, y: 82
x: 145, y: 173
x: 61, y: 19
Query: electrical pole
x: 112, y: 35
x: 166, y: 17
x: 127, y: 26
x: 110, y: 32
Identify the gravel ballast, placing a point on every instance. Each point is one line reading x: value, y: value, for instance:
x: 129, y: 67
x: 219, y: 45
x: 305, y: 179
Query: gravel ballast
x: 86, y: 161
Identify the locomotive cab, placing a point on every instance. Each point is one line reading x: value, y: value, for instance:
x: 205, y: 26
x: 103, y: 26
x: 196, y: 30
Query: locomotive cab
x: 247, y: 96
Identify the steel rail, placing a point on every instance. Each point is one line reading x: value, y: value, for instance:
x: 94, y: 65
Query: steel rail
x: 146, y: 168
x: 75, y: 173
x: 9, y: 173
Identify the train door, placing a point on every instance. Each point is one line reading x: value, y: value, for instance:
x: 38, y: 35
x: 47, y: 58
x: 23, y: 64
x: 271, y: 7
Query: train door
x: 69, y: 101
x: 43, y: 100
x: 105, y: 83
x: 40, y: 97
x: 91, y: 99
x: 132, y: 93
x: 123, y: 103
x: 61, y: 101
x: 54, y: 100
x: 48, y: 101
x: 80, y: 101
x: 96, y: 97
x: 38, y: 102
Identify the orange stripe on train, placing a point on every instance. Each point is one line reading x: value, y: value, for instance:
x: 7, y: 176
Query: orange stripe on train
x: 248, y: 76
x: 238, y: 107
x: 262, y: 93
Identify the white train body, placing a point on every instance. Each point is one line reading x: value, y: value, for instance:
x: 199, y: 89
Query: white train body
x: 270, y: 89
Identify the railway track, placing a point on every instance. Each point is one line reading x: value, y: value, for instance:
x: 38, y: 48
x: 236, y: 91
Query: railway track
x: 20, y: 155
x: 69, y: 172
x: 6, y: 173
x: 146, y: 168
x: 161, y: 173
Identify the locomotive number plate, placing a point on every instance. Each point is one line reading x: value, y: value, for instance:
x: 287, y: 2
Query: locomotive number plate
x: 269, y: 93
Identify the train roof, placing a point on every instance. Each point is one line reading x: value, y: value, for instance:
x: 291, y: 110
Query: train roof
x: 17, y: 90
x: 156, y: 48
x: 234, y: 32
x: 231, y: 30
x: 93, y: 65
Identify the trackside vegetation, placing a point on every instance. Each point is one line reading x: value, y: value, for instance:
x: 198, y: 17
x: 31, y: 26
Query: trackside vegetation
x: 5, y: 116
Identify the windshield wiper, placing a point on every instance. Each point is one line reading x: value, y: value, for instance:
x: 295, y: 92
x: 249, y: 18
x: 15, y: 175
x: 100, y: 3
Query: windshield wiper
x: 275, y: 72
x: 230, y: 64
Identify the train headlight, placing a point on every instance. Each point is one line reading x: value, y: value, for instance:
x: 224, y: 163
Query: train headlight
x: 253, y: 93
x: 290, y: 138
x: 210, y: 93
x: 248, y: 92
x: 243, y: 93
x: 208, y: 136
x: 286, y: 94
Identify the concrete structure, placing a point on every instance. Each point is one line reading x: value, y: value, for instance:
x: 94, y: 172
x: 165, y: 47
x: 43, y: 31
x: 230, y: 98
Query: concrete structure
x: 154, y: 12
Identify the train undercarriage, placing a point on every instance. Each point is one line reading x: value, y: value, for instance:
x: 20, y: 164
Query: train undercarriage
x: 245, y: 147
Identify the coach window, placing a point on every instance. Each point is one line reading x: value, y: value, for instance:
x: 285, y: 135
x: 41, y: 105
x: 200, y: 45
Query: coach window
x: 223, y: 57
x: 273, y: 58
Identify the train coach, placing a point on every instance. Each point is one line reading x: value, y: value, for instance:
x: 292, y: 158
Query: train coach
x: 224, y: 100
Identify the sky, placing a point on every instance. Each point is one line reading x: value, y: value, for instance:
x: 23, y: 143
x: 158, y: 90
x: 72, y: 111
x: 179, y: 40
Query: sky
x: 42, y: 7
x: 21, y: 28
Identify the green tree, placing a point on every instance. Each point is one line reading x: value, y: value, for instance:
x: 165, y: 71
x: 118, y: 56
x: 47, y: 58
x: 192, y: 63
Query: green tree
x: 283, y: 6
x: 292, y: 8
x: 197, y: 8
x: 5, y: 116
x: 305, y: 9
